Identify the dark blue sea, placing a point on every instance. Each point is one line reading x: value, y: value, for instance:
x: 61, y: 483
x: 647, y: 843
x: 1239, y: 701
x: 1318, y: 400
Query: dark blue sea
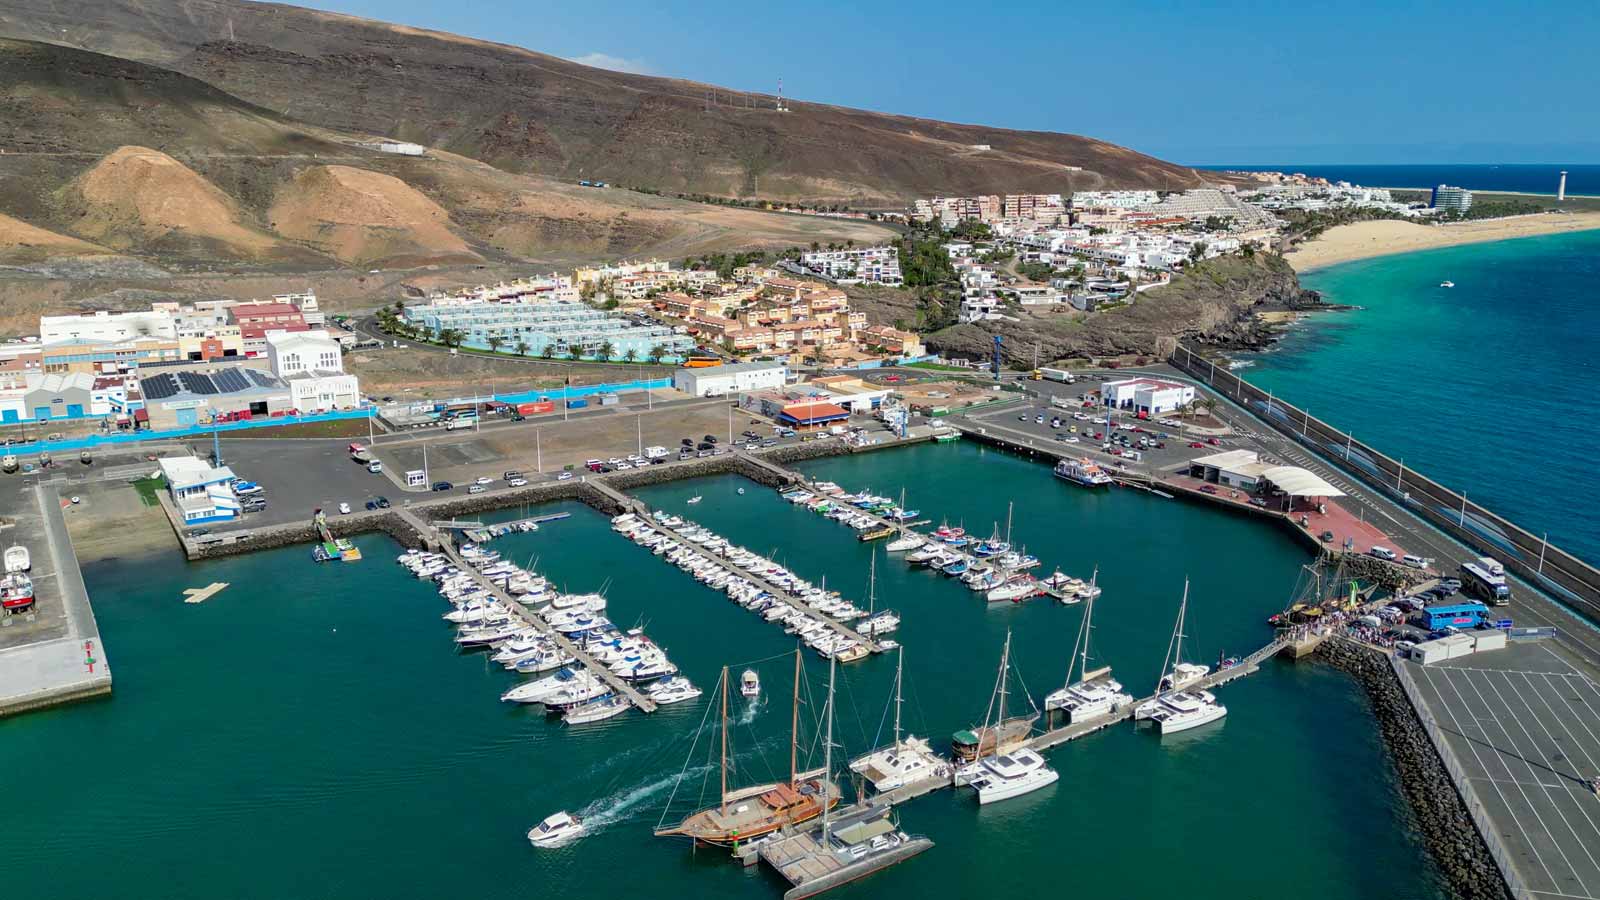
x: 1532, y: 179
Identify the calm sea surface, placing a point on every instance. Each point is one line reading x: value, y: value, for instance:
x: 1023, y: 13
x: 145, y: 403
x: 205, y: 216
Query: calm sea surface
x: 1530, y: 179
x: 1488, y: 387
x: 311, y: 732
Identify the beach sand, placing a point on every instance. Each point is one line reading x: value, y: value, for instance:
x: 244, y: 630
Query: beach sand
x: 1383, y: 237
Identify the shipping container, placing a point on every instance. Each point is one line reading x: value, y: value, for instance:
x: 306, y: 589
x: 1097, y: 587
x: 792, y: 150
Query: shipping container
x: 1430, y: 652
x: 535, y: 408
x: 577, y: 404
x: 609, y: 399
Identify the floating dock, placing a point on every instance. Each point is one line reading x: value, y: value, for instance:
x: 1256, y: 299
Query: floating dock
x: 202, y: 594
x: 485, y: 533
x: 855, y: 846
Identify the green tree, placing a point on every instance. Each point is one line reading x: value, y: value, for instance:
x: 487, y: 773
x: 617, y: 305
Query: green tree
x: 495, y: 342
x: 630, y: 355
x: 657, y: 352
x: 1198, y: 251
x: 522, y: 348
x: 575, y: 353
x: 548, y: 351
x: 606, y: 349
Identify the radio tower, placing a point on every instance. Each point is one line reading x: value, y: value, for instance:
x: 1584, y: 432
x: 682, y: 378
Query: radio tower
x: 781, y: 107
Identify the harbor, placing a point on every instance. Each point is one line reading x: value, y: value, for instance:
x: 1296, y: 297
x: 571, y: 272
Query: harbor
x: 710, y: 522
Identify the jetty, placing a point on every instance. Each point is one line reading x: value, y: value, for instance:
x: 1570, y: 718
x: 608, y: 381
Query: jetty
x: 202, y: 594
x: 531, y: 617
x: 760, y: 581
x: 479, y: 533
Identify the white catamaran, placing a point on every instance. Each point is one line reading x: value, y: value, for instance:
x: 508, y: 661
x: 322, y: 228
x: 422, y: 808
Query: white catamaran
x: 1175, y: 708
x: 1095, y: 693
x: 904, y: 761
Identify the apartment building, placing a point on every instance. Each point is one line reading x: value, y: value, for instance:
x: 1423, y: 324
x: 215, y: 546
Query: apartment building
x: 856, y: 265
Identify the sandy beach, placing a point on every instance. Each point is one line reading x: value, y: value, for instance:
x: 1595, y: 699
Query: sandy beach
x: 1383, y: 237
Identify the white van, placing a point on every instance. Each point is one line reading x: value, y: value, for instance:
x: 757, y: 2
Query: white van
x: 1382, y: 553
x: 1415, y: 562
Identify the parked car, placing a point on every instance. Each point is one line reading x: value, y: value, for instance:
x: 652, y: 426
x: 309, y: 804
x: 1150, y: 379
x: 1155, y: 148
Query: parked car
x: 1257, y: 501
x: 383, y: 502
x: 344, y: 509
x: 518, y: 482
x: 1382, y: 553
x: 512, y: 475
x: 710, y: 439
x: 1208, y: 489
x: 1326, y: 537
x: 564, y: 476
x: 476, y: 489
x: 482, y: 480
x: 443, y: 486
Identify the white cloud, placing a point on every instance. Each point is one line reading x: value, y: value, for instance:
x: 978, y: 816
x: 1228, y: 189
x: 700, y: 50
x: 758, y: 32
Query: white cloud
x: 615, y: 63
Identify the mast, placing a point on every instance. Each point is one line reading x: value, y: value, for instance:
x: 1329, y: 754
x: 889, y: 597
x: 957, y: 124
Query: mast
x: 827, y: 748
x: 899, y: 673
x: 872, y: 583
x: 723, y: 798
x: 902, y: 517
x: 1177, y: 638
x: 794, y: 723
x: 1005, y: 660
x: 1009, y: 507
x: 1088, y: 618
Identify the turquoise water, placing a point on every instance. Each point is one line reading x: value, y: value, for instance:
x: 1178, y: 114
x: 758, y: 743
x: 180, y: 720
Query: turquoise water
x: 310, y: 731
x: 1530, y: 179
x: 1487, y: 387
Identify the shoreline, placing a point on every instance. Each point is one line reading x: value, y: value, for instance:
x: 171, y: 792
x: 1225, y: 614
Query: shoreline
x: 1389, y: 237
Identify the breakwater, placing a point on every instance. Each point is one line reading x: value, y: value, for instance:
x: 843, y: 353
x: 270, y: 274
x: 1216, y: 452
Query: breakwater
x: 1560, y: 573
x: 1442, y: 817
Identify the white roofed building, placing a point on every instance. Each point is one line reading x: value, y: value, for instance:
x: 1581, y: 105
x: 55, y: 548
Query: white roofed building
x: 312, y: 364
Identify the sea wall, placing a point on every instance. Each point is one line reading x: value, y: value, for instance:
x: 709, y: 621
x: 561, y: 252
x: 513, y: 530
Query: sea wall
x: 1440, y: 814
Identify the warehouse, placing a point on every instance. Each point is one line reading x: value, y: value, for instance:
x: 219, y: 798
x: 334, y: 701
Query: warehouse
x: 812, y: 414
x: 735, y: 378
x: 185, y: 399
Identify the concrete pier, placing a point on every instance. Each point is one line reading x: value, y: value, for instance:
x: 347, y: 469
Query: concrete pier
x: 53, y: 655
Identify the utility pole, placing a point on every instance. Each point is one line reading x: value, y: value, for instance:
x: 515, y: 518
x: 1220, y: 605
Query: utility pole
x: 425, y: 460
x: 639, y: 433
x: 1544, y: 543
x: 1462, y: 522
x: 538, y: 451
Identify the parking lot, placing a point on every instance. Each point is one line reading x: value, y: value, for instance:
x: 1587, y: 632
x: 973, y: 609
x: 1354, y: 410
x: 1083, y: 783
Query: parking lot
x: 1524, y: 724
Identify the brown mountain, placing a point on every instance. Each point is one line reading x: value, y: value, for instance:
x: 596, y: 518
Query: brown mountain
x: 527, y: 112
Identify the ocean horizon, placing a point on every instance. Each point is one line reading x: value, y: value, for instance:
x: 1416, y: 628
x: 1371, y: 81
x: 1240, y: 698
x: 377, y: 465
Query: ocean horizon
x: 1583, y: 179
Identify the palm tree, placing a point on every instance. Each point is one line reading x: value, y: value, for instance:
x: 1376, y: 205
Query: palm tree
x: 657, y: 352
x: 606, y: 350
x: 630, y: 355
x: 575, y: 352
x: 522, y: 348
x: 495, y: 341
x: 548, y: 351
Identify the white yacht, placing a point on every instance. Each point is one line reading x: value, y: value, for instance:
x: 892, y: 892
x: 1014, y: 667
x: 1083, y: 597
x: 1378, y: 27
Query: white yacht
x: 750, y: 684
x: 674, y: 689
x: 537, y: 691
x: 556, y: 830
x: 1183, y: 710
x: 598, y: 710
x: 907, y: 541
x: 1009, y: 775
x: 904, y: 761
x: 1180, y: 674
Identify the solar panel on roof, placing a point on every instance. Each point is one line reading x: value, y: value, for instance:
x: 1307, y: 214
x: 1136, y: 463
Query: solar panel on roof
x: 158, y: 387
x: 261, y: 379
x: 231, y: 381
x: 196, y: 383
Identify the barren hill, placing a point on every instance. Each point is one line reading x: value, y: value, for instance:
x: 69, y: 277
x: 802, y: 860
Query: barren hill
x: 24, y: 243
x: 366, y: 218
x: 528, y: 112
x: 136, y: 197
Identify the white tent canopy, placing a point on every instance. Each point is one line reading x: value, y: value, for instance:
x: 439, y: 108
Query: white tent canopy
x: 1297, y: 482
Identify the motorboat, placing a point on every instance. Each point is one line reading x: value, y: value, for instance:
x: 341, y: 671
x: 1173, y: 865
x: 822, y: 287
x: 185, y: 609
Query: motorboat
x: 750, y: 684
x: 674, y: 689
x: 1009, y: 775
x: 1447, y: 284
x: 695, y: 499
x: 536, y: 691
x: 1017, y: 589
x: 556, y: 830
x: 17, y: 559
x: 576, y: 693
x: 905, y: 542
x: 1083, y: 472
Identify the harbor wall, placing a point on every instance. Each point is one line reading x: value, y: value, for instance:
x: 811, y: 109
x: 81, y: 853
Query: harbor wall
x: 1446, y: 813
x: 1559, y: 573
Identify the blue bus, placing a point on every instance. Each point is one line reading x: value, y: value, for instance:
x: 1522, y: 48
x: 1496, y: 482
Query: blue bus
x: 1456, y: 615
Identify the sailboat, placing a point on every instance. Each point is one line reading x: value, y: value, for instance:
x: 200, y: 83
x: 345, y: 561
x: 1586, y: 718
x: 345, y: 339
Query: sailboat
x: 905, y: 761
x: 1095, y: 693
x: 905, y: 541
x: 876, y: 623
x: 1174, y: 708
x: 745, y: 814
x: 998, y: 734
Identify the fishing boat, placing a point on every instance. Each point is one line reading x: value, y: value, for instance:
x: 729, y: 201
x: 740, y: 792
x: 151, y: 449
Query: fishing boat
x: 957, y: 566
x: 747, y: 814
x: 875, y: 534
x: 750, y: 684
x: 16, y: 592
x: 1083, y: 472
x: 1176, y: 675
x: 557, y: 830
x: 599, y: 710
x: 906, y: 761
x: 1095, y: 693
x: 998, y: 734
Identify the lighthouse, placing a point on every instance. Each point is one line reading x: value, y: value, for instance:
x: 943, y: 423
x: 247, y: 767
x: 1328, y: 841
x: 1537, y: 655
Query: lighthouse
x: 1561, y: 187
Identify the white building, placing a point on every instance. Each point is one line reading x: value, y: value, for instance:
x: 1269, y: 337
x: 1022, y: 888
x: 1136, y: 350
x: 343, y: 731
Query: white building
x: 312, y: 364
x: 1112, y: 199
x: 1151, y: 396
x: 717, y: 381
x: 200, y: 491
x: 874, y: 265
x: 1451, y: 199
x: 103, y: 326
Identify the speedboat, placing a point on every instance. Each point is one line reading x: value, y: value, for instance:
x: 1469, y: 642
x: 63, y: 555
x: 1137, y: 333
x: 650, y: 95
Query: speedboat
x: 536, y: 691
x: 17, y: 559
x: 750, y: 684
x: 557, y: 830
x: 906, y: 542
x: 1008, y: 775
x: 576, y: 693
x: 694, y: 499
x: 1015, y: 590
x: 1447, y: 284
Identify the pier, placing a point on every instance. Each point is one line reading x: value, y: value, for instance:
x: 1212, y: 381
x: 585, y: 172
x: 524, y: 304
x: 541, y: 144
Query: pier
x: 617, y: 683
x: 761, y: 582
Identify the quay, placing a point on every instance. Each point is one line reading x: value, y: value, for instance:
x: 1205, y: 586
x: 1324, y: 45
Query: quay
x: 52, y: 654
x: 758, y: 580
x: 617, y: 683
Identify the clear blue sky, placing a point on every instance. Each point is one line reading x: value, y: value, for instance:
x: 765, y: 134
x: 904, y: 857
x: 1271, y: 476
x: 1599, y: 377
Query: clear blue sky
x: 1233, y: 82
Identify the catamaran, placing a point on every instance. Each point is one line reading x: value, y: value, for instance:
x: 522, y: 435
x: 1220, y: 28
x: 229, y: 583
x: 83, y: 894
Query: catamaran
x: 1010, y: 775
x: 1095, y: 693
x: 905, y: 761
x: 1180, y: 675
x: 997, y: 734
x: 746, y: 814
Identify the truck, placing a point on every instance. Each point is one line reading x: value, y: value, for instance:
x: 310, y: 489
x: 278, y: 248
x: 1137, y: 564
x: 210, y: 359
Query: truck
x: 459, y: 423
x: 655, y: 452
x: 360, y: 453
x: 1061, y: 375
x: 1486, y: 577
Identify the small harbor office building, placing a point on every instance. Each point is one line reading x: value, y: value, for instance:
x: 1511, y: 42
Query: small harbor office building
x: 732, y: 378
x: 201, y: 492
x: 1147, y: 396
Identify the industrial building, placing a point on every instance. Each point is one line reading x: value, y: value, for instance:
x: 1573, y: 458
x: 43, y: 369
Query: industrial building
x: 1243, y: 470
x: 186, y: 399
x: 734, y: 378
x: 1149, y: 396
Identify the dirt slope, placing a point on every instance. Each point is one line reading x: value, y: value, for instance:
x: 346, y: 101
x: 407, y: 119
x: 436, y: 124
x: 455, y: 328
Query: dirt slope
x: 366, y: 218
x: 138, y: 197
x: 24, y: 243
x: 529, y: 112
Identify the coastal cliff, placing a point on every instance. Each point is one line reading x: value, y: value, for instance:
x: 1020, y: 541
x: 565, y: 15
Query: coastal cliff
x: 1217, y: 302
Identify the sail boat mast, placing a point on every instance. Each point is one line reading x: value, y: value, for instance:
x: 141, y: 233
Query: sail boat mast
x: 1005, y: 660
x: 827, y: 751
x: 723, y: 797
x: 899, y: 674
x: 794, y: 724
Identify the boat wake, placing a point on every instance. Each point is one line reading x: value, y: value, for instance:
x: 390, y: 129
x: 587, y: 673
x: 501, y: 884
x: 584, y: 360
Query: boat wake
x: 616, y: 808
x: 750, y: 711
